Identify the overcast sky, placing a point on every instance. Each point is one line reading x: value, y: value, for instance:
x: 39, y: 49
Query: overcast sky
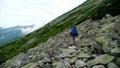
x: 28, y: 12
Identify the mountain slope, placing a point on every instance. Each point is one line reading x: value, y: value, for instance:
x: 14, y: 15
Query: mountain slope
x: 89, y: 9
x: 9, y: 34
x: 97, y: 47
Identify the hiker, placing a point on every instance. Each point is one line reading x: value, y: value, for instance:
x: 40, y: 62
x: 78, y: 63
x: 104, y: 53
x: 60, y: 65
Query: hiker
x: 73, y: 34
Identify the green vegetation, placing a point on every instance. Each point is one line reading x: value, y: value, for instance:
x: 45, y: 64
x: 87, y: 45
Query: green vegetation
x: 90, y: 9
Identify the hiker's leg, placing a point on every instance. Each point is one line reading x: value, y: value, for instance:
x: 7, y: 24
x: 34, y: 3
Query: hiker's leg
x: 73, y: 39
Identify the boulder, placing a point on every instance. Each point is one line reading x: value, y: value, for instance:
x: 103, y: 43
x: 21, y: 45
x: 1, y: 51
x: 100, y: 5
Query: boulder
x: 102, y: 59
x: 86, y: 49
x: 43, y: 55
x: 40, y: 63
x: 47, y: 60
x: 99, y: 66
x: 72, y: 61
x: 83, y: 55
x: 30, y: 65
x: 112, y: 65
x: 61, y: 64
x: 115, y: 51
x: 70, y: 51
x: 72, y: 47
x: 66, y: 54
x: 107, y: 28
x: 108, y: 16
x: 85, y: 60
x: 80, y: 64
x: 104, y: 42
x: 119, y: 41
x: 117, y: 61
x: 47, y: 66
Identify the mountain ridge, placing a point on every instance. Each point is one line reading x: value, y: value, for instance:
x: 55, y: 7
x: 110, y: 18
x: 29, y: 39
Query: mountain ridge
x: 9, y: 34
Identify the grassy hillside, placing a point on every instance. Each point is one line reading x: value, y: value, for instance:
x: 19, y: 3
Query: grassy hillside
x: 94, y: 9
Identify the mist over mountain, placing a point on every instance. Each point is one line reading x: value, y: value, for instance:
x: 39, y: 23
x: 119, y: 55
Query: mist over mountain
x: 9, y: 34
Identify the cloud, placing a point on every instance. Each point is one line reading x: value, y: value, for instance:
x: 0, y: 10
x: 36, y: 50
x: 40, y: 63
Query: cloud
x: 38, y: 12
x: 27, y: 30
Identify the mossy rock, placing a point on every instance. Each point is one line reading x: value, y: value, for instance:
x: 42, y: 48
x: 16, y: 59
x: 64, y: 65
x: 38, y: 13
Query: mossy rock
x: 112, y: 65
x: 117, y: 61
x: 104, y: 42
x: 30, y: 65
x: 99, y: 66
x: 102, y: 59
x: 61, y: 64
x: 115, y: 51
x: 107, y: 28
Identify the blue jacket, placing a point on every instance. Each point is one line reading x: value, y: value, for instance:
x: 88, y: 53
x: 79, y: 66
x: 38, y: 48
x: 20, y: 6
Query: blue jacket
x: 74, y: 31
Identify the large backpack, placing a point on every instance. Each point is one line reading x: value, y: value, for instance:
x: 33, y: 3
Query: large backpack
x: 74, y: 31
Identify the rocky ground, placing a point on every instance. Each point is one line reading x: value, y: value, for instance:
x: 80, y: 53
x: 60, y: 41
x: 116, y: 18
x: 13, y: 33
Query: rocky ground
x: 98, y: 46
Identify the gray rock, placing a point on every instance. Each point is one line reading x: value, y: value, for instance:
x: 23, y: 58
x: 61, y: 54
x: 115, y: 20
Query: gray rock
x: 67, y: 59
x: 99, y: 66
x: 72, y: 47
x: 40, y: 63
x: 83, y: 55
x: 67, y: 64
x: 86, y: 49
x: 80, y: 64
x: 50, y: 42
x: 35, y: 58
x: 115, y: 51
x: 61, y: 64
x: 105, y: 42
x: 70, y: 51
x: 65, y: 54
x: 20, y: 60
x: 94, y: 55
x: 72, y: 61
x: 117, y: 60
x: 85, y: 60
x: 108, y: 16
x: 43, y: 55
x: 112, y: 65
x: 47, y: 60
x: 102, y: 59
x: 119, y: 41
x: 30, y: 57
x: 47, y: 66
x: 30, y: 65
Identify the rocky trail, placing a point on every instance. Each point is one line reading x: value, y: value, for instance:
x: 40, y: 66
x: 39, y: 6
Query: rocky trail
x: 98, y: 46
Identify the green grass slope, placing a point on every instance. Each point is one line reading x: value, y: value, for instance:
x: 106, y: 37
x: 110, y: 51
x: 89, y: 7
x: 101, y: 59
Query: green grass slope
x: 94, y: 9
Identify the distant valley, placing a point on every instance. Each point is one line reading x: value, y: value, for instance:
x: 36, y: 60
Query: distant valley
x: 9, y: 34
